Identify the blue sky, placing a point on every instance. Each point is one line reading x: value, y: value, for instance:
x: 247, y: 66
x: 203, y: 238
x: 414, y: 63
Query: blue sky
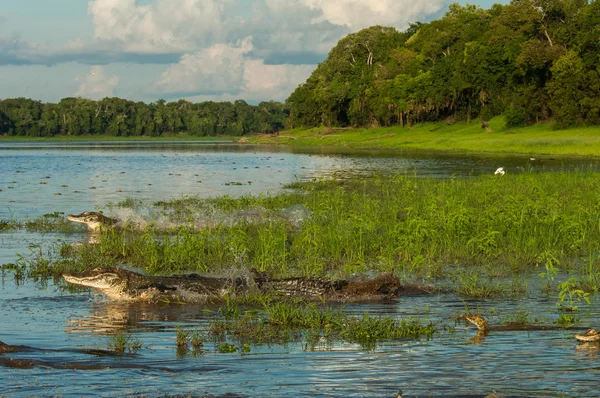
x: 194, y: 49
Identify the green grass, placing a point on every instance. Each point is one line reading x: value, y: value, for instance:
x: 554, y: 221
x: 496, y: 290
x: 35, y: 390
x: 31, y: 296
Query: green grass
x: 123, y: 342
x: 534, y: 140
x: 282, y: 322
x: 414, y: 227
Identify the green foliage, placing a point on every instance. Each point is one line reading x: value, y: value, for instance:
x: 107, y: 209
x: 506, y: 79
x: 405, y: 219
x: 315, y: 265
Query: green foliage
x: 122, y: 342
x: 117, y: 117
x: 283, y: 321
x: 471, y: 63
x: 226, y: 348
x: 389, y: 223
x: 572, y: 294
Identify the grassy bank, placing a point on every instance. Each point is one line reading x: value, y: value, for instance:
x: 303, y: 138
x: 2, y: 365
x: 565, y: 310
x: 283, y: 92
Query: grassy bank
x: 537, y: 139
x: 465, y: 230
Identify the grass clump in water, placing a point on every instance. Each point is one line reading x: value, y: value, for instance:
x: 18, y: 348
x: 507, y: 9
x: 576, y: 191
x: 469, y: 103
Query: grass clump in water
x: 283, y: 322
x: 51, y: 222
x: 9, y: 225
x: 123, y: 342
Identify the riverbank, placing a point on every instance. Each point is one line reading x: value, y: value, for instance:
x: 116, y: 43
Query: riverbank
x: 532, y: 140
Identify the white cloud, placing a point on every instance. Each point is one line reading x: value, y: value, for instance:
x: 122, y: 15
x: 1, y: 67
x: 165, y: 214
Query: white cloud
x: 224, y: 69
x: 205, y: 45
x: 358, y: 14
x: 265, y: 82
x: 217, y: 69
x: 165, y: 25
x: 276, y: 25
x: 97, y: 84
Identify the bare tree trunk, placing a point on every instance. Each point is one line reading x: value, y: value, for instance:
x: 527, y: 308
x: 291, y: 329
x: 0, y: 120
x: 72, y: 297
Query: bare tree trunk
x: 548, y: 37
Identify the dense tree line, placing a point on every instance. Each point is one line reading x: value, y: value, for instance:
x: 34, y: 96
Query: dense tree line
x: 119, y: 117
x: 531, y: 60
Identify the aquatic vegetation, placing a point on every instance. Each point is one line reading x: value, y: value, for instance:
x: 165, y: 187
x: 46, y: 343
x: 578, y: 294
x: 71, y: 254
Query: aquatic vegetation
x: 520, y: 317
x: 472, y: 285
x: 571, y: 294
x: 123, y: 342
x: 8, y: 225
x: 283, y: 322
x: 183, y: 337
x: 50, y: 222
x: 415, y: 227
x: 567, y: 320
x: 226, y: 348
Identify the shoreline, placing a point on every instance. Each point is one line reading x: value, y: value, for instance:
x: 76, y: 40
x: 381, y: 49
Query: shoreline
x: 536, y: 140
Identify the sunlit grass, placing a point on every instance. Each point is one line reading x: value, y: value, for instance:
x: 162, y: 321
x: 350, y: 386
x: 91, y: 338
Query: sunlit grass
x: 414, y: 227
x: 537, y: 139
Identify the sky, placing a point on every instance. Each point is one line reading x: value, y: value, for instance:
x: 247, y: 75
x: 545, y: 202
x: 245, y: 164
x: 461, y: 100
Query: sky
x: 199, y: 50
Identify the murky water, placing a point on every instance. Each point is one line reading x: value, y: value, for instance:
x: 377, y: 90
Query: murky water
x: 538, y: 363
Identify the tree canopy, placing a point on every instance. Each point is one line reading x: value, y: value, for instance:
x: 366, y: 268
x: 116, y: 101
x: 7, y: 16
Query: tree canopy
x: 530, y: 60
x: 119, y: 117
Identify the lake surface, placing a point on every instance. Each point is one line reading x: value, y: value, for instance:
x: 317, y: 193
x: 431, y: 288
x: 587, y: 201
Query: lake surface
x: 537, y: 363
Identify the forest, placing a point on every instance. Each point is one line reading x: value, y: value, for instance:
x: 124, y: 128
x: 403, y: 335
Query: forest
x: 531, y: 61
x: 120, y: 117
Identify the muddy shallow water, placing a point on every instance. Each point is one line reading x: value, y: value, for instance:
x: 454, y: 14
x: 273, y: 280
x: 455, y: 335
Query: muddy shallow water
x: 535, y: 363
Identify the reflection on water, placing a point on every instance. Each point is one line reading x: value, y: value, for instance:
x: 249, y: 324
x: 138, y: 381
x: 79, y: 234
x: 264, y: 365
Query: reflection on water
x: 38, y: 178
x: 514, y: 363
x: 454, y: 363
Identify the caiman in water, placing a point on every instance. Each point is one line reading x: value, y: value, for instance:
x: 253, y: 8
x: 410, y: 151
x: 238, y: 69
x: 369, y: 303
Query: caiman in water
x: 483, y: 329
x: 94, y: 222
x: 121, y: 284
x: 125, y: 285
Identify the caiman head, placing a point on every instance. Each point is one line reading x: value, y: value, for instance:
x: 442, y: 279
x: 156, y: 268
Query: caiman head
x: 92, y: 219
x: 110, y: 281
x: 478, y: 321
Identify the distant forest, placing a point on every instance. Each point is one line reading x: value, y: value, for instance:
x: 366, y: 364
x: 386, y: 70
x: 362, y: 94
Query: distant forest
x: 530, y: 60
x: 119, y: 117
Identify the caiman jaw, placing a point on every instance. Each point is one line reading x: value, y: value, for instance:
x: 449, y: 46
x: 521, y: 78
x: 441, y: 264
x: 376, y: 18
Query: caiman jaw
x: 478, y: 321
x: 106, y: 280
x: 91, y: 219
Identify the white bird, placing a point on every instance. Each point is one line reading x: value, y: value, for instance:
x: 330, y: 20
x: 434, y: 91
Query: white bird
x: 500, y: 171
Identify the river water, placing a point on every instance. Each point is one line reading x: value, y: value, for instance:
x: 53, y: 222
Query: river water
x: 90, y: 175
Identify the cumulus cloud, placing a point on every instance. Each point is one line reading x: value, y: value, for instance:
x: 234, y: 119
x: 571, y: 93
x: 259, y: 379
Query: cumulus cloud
x: 264, y: 82
x: 165, y: 25
x: 278, y: 27
x: 217, y: 69
x: 224, y: 69
x: 358, y: 14
x: 206, y: 44
x: 97, y: 84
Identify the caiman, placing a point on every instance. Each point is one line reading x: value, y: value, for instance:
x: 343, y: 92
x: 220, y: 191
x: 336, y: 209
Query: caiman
x: 125, y: 285
x: 94, y: 221
x: 483, y: 329
x: 121, y: 284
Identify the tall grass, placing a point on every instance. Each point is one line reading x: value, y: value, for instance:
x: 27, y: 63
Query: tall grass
x: 397, y: 223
